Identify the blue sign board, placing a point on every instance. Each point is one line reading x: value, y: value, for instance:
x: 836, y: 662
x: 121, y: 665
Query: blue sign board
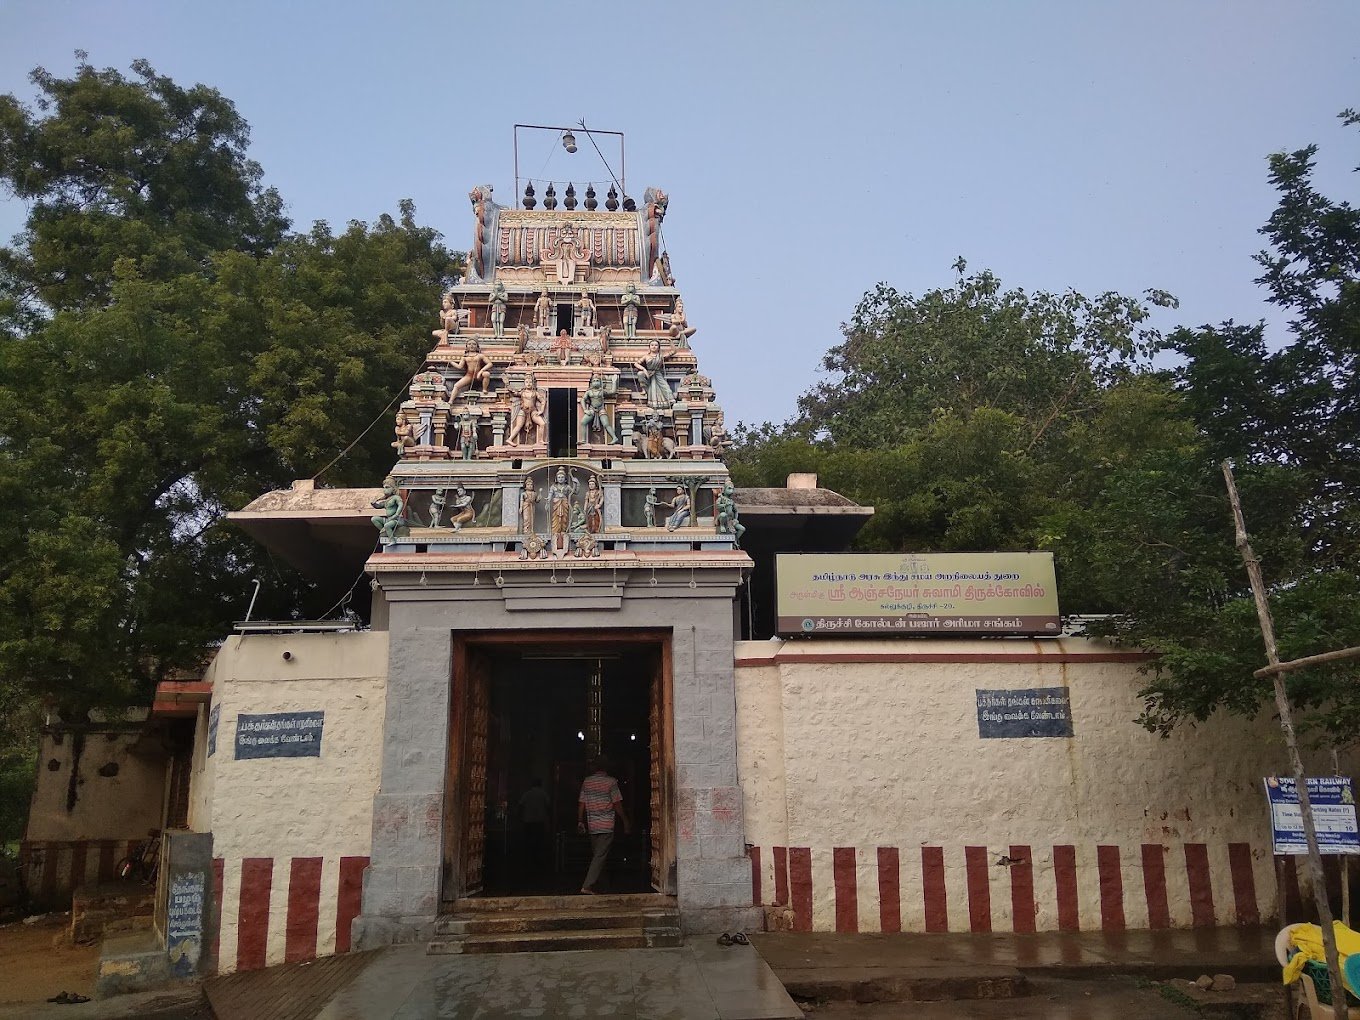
x: 213, y: 717
x: 1333, y: 801
x: 184, y: 922
x: 279, y: 735
x: 1024, y: 712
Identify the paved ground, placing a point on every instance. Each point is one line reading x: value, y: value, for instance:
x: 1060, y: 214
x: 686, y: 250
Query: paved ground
x: 1118, y: 998
x: 698, y: 982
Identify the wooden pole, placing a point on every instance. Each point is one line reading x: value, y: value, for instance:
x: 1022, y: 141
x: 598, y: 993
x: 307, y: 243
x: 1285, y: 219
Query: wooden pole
x: 1319, y: 883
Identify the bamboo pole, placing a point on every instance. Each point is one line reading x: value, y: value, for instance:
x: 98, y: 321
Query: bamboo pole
x: 1258, y: 591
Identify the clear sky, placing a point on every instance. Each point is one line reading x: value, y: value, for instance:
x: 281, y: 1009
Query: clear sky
x: 809, y: 149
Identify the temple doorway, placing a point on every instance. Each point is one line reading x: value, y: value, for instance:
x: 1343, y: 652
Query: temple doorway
x: 530, y: 713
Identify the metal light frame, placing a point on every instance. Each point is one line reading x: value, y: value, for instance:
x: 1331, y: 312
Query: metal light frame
x: 590, y: 133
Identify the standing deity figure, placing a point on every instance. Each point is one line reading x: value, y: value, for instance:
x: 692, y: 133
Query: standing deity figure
x: 630, y: 302
x: 543, y: 313
x: 528, y: 501
x: 585, y: 314
x: 680, y: 509
x: 528, y: 426
x: 560, y: 503
x: 594, y: 506
x: 725, y: 512
x: 593, y: 414
x: 475, y: 366
x: 649, y: 508
x: 499, y: 299
x: 563, y: 347
x: 651, y: 370
x: 467, y: 435
x: 392, y: 521
x: 436, y: 507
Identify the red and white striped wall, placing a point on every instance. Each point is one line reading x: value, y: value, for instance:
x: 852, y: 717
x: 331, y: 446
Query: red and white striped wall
x: 1066, y: 887
x: 53, y: 869
x: 284, y: 910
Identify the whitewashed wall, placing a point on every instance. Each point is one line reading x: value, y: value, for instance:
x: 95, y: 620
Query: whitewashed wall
x: 291, y: 835
x: 872, y: 803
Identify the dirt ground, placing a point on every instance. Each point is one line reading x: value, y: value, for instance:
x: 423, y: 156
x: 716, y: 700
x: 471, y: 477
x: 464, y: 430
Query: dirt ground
x: 38, y: 962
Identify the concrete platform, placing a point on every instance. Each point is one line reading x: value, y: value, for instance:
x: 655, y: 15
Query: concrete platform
x: 699, y: 981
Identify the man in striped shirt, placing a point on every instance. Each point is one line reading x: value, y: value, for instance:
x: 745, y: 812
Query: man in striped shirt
x: 599, y: 801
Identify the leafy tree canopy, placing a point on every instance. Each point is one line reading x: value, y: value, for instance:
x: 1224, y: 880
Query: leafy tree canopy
x: 973, y: 417
x: 168, y: 351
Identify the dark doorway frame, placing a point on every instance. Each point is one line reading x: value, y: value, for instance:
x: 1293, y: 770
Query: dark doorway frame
x: 466, y: 766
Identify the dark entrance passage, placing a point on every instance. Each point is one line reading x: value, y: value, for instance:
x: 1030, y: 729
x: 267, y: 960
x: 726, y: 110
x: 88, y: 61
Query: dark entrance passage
x: 533, y: 716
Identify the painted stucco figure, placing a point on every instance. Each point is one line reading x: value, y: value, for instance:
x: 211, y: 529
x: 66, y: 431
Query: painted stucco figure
x: 392, y: 521
x: 467, y: 435
x: 585, y: 315
x: 651, y: 439
x: 594, y: 506
x: 679, y: 509
x: 436, y: 507
x: 498, y: 301
x: 528, y: 502
x: 475, y: 366
x: 725, y: 514
x: 594, y: 417
x: 630, y: 303
x: 560, y: 502
x: 649, y: 508
x: 462, y: 511
x: 451, y: 319
x: 543, y: 313
x: 528, y: 426
x: 651, y: 372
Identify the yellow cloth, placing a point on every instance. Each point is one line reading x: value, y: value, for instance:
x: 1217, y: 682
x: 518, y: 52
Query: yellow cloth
x: 1307, y: 938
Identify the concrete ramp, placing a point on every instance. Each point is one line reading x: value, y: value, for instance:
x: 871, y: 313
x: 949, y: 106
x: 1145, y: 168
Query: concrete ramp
x: 699, y: 981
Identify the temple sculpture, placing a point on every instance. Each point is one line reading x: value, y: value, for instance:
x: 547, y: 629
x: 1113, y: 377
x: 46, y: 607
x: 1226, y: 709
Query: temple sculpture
x: 561, y: 377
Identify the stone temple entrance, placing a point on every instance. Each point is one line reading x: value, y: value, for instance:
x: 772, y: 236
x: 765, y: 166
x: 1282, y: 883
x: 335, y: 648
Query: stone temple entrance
x: 528, y: 717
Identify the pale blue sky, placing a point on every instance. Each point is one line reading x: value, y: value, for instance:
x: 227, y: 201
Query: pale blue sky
x: 809, y: 150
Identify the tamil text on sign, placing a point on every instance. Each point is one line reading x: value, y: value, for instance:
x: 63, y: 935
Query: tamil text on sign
x: 837, y: 594
x: 279, y: 735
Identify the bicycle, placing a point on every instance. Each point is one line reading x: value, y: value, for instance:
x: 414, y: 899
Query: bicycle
x: 144, y: 863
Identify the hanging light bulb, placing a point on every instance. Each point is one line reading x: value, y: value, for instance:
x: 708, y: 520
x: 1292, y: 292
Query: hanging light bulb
x: 568, y: 141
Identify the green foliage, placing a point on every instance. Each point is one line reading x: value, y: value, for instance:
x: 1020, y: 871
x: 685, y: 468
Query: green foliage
x: 976, y: 418
x: 168, y: 351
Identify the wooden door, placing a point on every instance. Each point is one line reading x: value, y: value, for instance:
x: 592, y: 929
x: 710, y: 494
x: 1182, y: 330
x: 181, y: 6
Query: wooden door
x: 662, y: 777
x: 474, y: 844
x: 465, y: 785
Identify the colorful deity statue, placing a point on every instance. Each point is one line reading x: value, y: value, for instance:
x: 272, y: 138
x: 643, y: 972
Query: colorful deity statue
x: 651, y: 373
x: 679, y: 509
x: 475, y: 366
x: 529, y: 426
x: 630, y: 302
x: 725, y: 513
x: 392, y: 521
x: 594, y: 417
x: 467, y: 435
x: 594, y: 506
x: 499, y: 299
x: 649, y: 508
x: 528, y: 502
x: 560, y: 502
x: 463, y: 513
x: 543, y: 313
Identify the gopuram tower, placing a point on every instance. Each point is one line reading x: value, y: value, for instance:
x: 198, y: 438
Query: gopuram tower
x: 559, y: 508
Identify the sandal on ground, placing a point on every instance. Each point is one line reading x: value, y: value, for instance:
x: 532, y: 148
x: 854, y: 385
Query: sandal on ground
x: 740, y: 939
x: 68, y: 998
x: 724, y: 939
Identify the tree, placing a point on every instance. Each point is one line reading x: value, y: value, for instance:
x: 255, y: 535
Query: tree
x: 167, y: 352
x: 977, y: 419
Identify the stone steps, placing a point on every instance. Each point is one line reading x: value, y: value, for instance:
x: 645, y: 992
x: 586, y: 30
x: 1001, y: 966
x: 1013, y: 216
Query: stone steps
x: 540, y: 924
x: 541, y: 941
x: 503, y: 904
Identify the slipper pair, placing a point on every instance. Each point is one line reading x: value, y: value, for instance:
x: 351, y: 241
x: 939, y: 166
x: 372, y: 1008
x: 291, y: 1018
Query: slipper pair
x: 67, y: 998
x: 739, y: 939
